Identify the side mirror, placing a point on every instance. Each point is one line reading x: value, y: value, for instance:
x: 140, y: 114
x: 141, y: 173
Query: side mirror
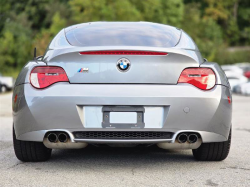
x: 205, y: 60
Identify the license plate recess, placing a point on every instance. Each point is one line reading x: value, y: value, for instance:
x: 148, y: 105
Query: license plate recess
x: 108, y: 109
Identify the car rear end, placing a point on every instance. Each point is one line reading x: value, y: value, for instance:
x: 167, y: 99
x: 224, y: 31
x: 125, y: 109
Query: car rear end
x: 81, y: 94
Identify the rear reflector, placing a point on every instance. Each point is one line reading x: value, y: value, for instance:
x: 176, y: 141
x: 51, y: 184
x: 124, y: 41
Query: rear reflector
x: 15, y: 98
x: 122, y: 53
x: 202, y: 78
x: 44, y: 76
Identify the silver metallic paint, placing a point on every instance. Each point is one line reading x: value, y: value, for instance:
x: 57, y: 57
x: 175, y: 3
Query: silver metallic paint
x: 177, y: 145
x: 37, y: 112
x: 66, y: 145
x: 209, y: 110
x: 39, y: 137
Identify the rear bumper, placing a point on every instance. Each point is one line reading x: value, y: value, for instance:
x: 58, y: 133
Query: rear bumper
x: 39, y: 136
x: 62, y: 106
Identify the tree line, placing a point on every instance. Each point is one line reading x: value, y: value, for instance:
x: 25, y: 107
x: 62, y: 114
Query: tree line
x: 214, y: 25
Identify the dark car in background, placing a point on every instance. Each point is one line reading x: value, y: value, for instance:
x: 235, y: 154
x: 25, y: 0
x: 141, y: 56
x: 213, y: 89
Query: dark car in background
x: 6, y: 83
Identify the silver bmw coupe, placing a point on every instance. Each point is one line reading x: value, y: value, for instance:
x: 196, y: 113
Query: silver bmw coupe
x: 128, y: 83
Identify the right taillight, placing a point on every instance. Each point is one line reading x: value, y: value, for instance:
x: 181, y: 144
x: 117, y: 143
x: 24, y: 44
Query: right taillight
x: 202, y: 78
x: 44, y: 76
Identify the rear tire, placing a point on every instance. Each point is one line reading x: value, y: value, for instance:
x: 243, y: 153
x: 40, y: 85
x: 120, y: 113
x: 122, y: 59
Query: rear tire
x: 3, y: 89
x: 216, y: 151
x: 27, y: 151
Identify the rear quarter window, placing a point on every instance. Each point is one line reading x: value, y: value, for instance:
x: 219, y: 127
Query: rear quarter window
x: 186, y: 42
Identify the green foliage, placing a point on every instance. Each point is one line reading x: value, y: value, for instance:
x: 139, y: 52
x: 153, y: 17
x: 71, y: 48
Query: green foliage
x: 15, y: 43
x: 103, y: 10
x: 244, y: 21
x: 231, y: 57
x: 161, y: 11
x: 208, y: 34
x: 213, y: 24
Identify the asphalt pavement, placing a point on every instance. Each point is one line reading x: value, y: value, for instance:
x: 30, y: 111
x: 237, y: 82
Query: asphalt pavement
x: 128, y: 166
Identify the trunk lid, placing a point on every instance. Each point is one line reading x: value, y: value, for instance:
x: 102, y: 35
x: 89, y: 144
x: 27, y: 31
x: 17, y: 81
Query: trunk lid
x: 144, y: 69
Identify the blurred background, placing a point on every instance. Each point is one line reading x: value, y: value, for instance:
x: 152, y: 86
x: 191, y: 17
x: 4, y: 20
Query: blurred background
x: 220, y: 28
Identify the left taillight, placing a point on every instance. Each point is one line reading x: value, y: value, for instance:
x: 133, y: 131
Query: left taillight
x: 44, y: 76
x: 202, y: 78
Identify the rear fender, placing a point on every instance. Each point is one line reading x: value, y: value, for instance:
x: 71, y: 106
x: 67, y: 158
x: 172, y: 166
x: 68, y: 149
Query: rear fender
x: 220, y: 75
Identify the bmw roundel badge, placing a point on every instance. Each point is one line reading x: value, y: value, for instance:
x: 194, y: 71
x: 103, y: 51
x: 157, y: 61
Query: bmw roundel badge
x: 123, y: 64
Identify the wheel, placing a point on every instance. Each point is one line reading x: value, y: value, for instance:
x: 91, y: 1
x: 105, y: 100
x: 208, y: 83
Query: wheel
x: 27, y: 151
x: 3, y: 89
x: 216, y: 151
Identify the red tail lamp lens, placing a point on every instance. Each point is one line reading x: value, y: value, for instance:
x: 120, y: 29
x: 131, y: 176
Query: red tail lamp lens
x: 202, y: 78
x: 122, y: 53
x: 42, y: 77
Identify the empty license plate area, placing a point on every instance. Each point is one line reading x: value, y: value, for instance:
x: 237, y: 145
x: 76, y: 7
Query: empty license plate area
x: 123, y: 117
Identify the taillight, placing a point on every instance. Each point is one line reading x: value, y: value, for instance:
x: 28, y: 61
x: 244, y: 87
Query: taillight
x: 44, y: 76
x: 122, y: 53
x: 202, y: 78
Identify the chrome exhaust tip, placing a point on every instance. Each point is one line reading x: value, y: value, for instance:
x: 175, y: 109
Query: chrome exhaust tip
x: 52, y: 137
x: 63, y: 137
x: 182, y: 138
x: 192, y: 138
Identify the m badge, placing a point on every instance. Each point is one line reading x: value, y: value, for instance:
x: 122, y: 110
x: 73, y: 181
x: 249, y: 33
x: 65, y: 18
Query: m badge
x: 83, y: 70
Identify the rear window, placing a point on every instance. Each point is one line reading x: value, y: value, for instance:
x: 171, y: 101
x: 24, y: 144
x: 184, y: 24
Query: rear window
x: 122, y: 34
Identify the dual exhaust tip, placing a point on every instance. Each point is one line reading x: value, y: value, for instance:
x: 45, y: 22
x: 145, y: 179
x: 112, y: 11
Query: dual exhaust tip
x: 61, y: 137
x: 183, y: 137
